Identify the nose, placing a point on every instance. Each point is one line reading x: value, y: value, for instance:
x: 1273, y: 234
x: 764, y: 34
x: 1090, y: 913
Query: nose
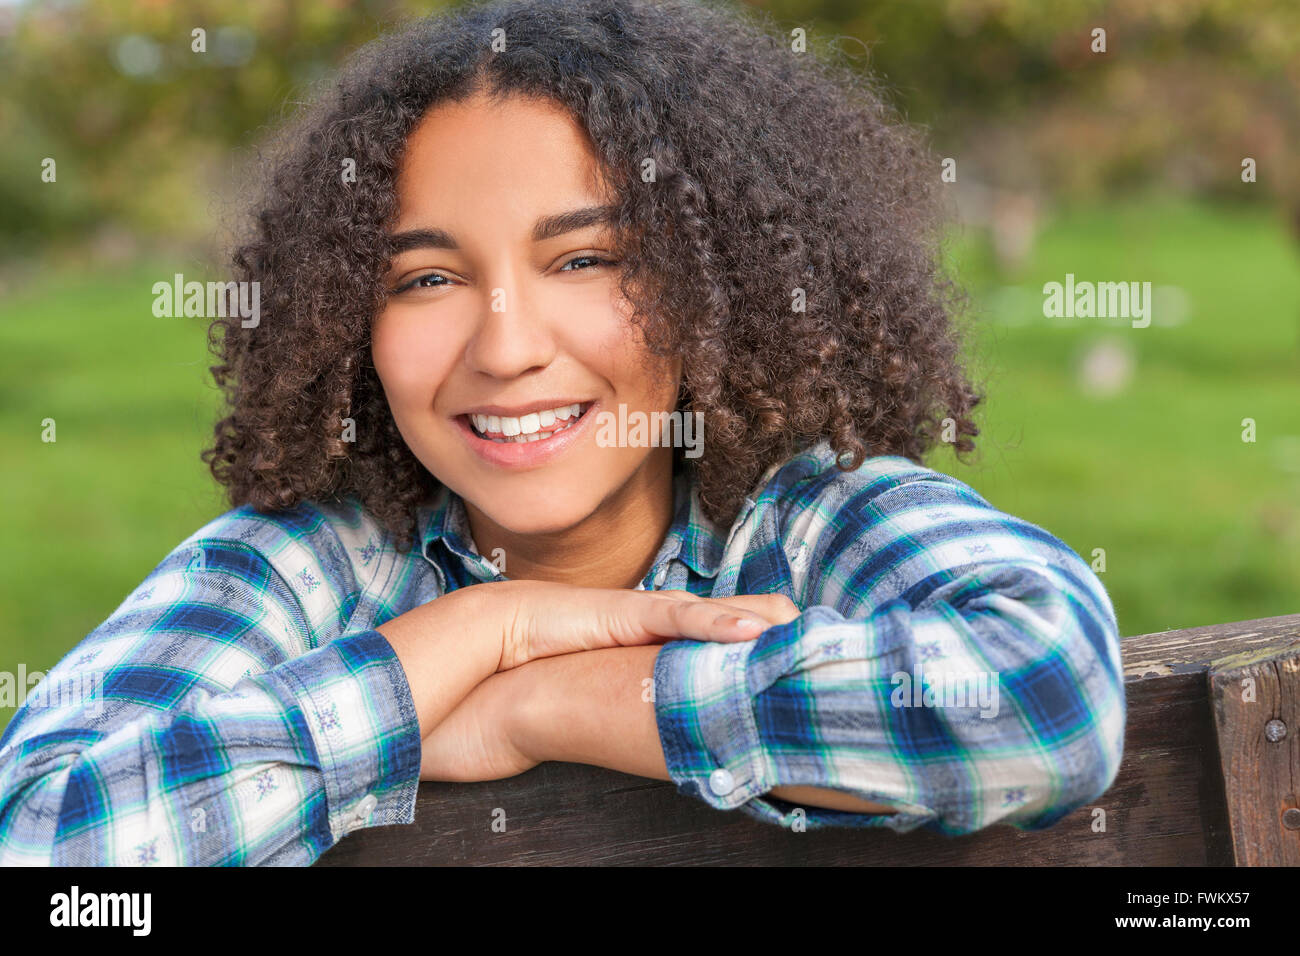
x: 511, y: 338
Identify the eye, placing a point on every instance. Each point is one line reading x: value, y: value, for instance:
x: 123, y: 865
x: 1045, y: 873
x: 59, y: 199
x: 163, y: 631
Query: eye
x: 586, y: 258
x: 422, y: 282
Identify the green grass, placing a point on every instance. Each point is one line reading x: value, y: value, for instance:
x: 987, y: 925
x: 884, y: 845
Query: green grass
x: 87, y: 516
x: 1198, y: 527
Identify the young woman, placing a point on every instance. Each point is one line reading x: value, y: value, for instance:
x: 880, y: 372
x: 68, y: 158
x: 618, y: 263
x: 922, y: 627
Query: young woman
x: 505, y: 231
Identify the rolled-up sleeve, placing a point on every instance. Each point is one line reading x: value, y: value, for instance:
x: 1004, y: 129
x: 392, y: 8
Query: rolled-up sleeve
x: 221, y: 715
x: 952, y: 662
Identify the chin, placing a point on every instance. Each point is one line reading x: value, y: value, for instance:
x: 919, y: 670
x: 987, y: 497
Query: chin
x: 534, y: 502
x: 518, y: 518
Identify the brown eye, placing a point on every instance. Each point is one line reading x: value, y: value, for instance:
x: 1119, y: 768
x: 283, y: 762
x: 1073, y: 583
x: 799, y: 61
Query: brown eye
x: 422, y: 282
x: 597, y: 259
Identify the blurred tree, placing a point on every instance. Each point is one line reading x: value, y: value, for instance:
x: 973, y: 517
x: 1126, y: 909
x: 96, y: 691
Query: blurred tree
x: 140, y: 112
x: 142, y: 124
x: 1185, y: 90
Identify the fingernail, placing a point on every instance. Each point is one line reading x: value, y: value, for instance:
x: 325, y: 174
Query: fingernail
x: 747, y: 625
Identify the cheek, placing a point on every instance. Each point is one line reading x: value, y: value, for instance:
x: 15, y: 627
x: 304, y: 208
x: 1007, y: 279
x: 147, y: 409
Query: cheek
x: 613, y: 348
x: 647, y: 381
x: 411, y: 362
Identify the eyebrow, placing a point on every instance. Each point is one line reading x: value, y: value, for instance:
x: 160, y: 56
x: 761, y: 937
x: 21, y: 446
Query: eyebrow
x: 547, y: 227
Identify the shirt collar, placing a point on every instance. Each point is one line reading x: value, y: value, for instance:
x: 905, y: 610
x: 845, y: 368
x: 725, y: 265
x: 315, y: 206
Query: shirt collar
x: 444, y: 519
x: 692, y: 537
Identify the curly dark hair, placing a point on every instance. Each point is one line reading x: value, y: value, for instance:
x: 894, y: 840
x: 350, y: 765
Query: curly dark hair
x: 773, y: 171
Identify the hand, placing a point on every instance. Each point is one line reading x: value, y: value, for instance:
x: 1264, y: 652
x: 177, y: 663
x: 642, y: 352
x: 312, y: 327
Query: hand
x: 494, y: 733
x: 545, y: 619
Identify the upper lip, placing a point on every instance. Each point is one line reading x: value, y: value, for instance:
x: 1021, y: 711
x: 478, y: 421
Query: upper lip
x: 518, y: 411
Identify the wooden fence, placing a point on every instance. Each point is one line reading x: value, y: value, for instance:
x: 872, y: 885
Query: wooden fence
x: 1210, y: 776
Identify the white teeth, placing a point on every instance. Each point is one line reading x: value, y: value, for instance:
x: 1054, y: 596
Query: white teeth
x: 535, y: 426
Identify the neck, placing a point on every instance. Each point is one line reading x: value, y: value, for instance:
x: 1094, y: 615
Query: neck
x: 612, y: 548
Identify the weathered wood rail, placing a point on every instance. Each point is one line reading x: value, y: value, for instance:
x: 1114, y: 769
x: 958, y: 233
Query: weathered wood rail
x: 1210, y: 776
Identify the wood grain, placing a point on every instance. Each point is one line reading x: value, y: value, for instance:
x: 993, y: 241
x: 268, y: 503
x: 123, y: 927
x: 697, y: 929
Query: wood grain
x: 1168, y: 805
x: 1256, y: 702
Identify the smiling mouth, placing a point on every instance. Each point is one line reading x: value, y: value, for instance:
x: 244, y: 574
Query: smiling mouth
x: 536, y: 426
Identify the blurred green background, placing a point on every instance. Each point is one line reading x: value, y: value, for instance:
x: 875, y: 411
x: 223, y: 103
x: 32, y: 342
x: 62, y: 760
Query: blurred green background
x: 1117, y: 166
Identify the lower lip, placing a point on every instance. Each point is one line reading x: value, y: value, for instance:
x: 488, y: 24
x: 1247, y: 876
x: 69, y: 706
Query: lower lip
x: 527, y: 454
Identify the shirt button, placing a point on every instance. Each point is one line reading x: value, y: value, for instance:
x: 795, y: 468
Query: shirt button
x: 721, y: 782
x: 660, y: 577
x: 362, y: 811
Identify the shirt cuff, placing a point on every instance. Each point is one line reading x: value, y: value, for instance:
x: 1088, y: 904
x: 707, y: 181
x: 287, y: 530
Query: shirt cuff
x: 357, y: 704
x: 706, y: 695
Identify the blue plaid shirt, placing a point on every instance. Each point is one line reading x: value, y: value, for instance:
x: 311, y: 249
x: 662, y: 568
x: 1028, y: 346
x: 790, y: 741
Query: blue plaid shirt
x: 952, y: 661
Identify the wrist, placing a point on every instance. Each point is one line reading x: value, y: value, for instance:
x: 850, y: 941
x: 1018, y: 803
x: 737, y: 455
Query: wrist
x: 478, y: 617
x: 594, y: 707
x: 480, y: 609
x: 446, y: 648
x: 530, y: 710
x: 492, y: 611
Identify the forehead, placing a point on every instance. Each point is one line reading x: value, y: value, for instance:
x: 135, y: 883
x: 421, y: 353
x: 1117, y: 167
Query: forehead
x: 504, y: 158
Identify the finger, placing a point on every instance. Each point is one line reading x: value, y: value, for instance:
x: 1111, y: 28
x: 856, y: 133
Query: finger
x: 774, y: 608
x: 695, y: 620
x: 677, y: 593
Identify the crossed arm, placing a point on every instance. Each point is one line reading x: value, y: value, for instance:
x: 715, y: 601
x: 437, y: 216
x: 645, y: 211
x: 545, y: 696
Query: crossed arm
x: 593, y: 707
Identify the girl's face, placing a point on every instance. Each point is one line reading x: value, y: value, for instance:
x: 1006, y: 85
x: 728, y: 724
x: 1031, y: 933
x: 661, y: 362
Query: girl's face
x: 505, y: 336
